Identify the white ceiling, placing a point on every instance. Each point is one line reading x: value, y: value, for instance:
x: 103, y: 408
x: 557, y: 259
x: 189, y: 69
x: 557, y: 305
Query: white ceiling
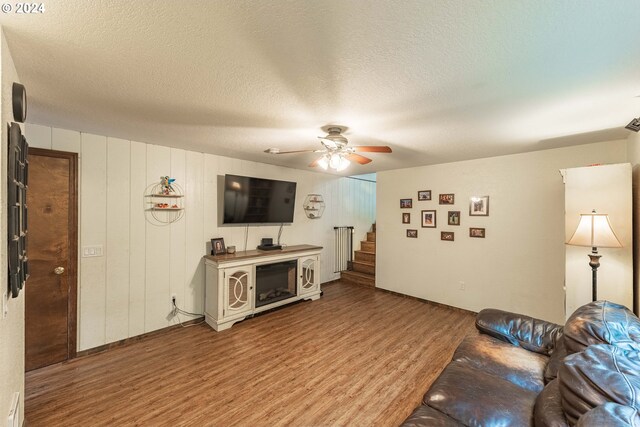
x: 438, y: 81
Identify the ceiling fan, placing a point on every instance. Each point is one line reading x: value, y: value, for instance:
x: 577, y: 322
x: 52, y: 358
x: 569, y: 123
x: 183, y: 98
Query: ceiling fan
x: 336, y: 154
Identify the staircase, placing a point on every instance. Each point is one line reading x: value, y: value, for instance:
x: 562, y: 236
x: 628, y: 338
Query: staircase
x: 364, y: 264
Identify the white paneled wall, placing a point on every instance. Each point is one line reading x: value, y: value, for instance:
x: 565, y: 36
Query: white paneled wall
x: 127, y: 291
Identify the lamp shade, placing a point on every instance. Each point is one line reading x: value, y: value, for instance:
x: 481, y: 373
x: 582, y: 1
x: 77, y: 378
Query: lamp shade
x: 595, y: 230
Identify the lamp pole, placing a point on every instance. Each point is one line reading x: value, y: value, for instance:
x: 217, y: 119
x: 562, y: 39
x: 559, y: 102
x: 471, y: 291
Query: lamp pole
x: 594, y: 263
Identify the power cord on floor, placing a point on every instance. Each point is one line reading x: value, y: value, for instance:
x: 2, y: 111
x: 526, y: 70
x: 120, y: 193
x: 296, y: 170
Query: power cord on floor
x: 177, y: 311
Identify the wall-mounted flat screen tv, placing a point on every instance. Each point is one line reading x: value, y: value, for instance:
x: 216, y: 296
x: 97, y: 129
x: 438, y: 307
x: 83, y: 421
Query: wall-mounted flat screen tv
x: 249, y: 200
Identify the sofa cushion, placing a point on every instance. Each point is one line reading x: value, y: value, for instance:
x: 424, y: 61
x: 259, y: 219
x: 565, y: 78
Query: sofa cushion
x: 514, y: 364
x: 599, y: 374
x: 427, y: 416
x: 477, y: 398
x: 519, y: 330
x: 610, y: 414
x: 558, y: 355
x: 601, y: 322
x: 548, y: 410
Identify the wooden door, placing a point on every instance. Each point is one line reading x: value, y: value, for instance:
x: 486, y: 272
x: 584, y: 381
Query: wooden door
x: 51, y: 291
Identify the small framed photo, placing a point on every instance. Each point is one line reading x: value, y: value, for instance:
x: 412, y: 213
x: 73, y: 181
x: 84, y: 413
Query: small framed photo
x: 453, y: 217
x: 406, y: 218
x: 412, y: 233
x: 479, y: 206
x: 217, y: 246
x: 424, y: 195
x: 446, y: 235
x: 477, y: 232
x: 447, y: 199
x: 428, y: 219
x: 406, y: 203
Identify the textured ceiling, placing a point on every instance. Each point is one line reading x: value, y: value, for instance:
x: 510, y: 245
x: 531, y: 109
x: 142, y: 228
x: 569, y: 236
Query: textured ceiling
x: 438, y: 81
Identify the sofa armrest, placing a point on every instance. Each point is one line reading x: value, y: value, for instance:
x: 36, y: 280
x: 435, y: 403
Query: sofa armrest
x: 531, y: 334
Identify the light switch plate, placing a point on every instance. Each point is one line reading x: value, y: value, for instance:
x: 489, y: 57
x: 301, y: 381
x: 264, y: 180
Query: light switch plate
x: 92, y: 251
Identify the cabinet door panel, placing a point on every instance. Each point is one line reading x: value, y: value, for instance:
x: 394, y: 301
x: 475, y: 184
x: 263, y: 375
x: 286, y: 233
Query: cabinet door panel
x: 309, y: 274
x: 238, y: 291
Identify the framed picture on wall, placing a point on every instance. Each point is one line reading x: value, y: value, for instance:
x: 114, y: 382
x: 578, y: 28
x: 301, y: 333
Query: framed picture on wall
x: 406, y: 218
x: 477, y: 232
x: 406, y: 203
x: 424, y: 195
x: 447, y: 199
x: 217, y: 246
x: 479, y: 206
x: 453, y: 217
x: 429, y: 219
x: 446, y: 235
x: 412, y: 233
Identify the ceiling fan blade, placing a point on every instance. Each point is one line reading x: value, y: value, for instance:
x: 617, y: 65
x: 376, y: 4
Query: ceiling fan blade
x: 358, y: 158
x: 277, y: 151
x: 372, y: 148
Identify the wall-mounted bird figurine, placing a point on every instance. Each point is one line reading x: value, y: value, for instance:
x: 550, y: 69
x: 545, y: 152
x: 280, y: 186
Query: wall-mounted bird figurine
x: 166, y: 182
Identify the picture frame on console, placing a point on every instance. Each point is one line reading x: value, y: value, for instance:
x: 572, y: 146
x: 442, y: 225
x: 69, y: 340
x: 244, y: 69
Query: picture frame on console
x: 217, y: 246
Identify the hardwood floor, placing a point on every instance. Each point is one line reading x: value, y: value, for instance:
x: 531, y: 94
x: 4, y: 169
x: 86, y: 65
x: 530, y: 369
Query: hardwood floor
x: 356, y: 357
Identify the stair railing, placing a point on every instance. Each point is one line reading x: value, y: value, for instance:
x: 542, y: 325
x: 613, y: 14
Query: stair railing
x: 343, y: 248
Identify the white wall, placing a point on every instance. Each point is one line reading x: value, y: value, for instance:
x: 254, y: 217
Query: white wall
x: 633, y: 157
x: 11, y: 328
x: 607, y: 189
x: 519, y: 266
x: 127, y: 292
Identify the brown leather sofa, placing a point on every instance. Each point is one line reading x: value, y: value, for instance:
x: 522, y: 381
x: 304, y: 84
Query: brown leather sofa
x: 521, y: 371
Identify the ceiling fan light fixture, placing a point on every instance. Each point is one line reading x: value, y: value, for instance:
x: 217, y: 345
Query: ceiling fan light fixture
x: 344, y: 163
x: 323, y: 163
x: 334, y: 161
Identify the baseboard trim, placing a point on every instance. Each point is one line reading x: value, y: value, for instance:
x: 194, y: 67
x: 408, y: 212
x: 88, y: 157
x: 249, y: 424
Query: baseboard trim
x: 131, y: 340
x: 437, y: 304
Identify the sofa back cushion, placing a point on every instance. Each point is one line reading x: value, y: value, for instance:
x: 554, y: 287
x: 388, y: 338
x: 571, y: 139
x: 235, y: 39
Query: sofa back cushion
x: 601, y: 322
x: 599, y: 374
x: 610, y: 414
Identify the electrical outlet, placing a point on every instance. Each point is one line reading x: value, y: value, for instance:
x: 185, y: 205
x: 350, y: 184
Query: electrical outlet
x: 174, y: 302
x: 463, y: 286
x: 5, y: 306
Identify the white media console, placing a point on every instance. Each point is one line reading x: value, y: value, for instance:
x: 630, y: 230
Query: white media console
x: 245, y: 283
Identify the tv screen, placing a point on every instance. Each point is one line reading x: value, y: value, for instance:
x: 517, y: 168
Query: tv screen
x: 250, y: 200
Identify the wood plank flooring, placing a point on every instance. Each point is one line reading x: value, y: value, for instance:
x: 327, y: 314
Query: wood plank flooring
x: 356, y: 357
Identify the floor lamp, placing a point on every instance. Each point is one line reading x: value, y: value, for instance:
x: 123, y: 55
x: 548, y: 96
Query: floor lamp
x: 594, y: 230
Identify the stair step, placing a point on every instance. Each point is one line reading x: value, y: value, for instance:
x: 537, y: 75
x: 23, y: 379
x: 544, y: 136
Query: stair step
x: 365, y: 256
x: 373, y: 228
x: 368, y: 246
x: 371, y: 236
x: 364, y: 267
x: 358, y: 278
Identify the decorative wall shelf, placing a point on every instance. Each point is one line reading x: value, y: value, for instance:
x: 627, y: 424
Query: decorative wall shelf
x: 313, y: 206
x: 164, y: 205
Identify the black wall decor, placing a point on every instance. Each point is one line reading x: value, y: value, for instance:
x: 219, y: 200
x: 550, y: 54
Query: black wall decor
x: 19, y: 102
x: 18, y: 172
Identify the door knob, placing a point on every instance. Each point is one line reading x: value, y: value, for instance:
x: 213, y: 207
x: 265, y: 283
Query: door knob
x: 58, y: 270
